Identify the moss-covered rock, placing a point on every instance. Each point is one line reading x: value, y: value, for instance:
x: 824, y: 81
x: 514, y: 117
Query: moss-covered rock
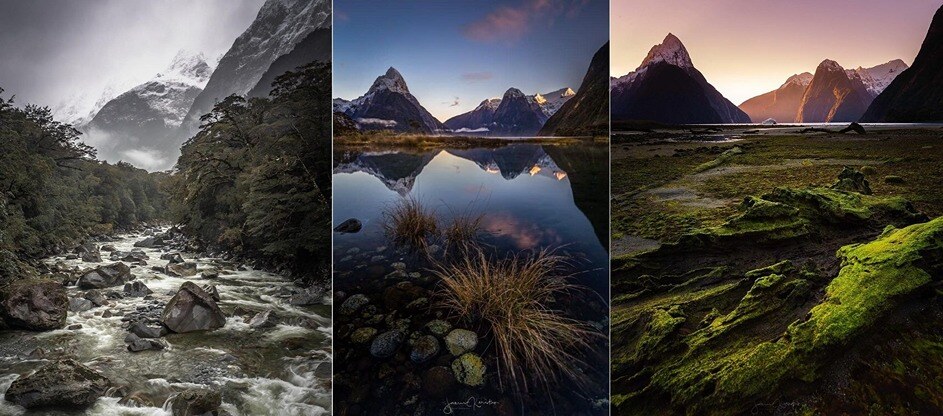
x: 34, y: 304
x: 875, y: 279
x: 852, y: 180
x: 363, y: 335
x: 469, y: 369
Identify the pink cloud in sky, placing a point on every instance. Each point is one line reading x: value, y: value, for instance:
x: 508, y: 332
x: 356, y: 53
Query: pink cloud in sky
x: 509, y: 23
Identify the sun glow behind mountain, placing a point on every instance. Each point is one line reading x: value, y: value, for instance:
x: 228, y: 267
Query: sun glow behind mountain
x: 746, y: 48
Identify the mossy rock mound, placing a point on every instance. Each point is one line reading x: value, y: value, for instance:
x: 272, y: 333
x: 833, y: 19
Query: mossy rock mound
x: 853, y: 181
x: 729, y: 367
x: 789, y: 213
x: 838, y: 207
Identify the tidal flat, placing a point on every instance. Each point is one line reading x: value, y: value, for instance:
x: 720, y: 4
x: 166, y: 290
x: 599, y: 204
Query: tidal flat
x: 770, y: 271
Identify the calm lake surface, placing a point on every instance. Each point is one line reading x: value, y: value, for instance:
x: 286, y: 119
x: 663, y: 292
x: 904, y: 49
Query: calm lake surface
x: 528, y: 199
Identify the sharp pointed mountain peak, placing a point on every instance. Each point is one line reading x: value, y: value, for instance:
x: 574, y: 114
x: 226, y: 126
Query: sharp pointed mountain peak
x: 513, y: 93
x: 568, y: 92
x: 392, y: 80
x: 830, y: 65
x: 671, y: 51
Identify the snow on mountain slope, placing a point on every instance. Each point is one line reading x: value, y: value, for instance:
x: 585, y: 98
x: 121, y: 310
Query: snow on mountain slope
x: 667, y: 88
x: 877, y: 78
x: 388, y: 104
x: 279, y: 26
x: 803, y: 80
x: 552, y: 101
x: 670, y: 51
x: 144, y: 118
x: 79, y: 109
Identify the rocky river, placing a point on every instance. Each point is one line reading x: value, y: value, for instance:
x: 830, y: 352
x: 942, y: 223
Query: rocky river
x: 152, y: 329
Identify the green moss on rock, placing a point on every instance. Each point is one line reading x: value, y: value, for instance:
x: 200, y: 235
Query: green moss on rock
x: 875, y: 278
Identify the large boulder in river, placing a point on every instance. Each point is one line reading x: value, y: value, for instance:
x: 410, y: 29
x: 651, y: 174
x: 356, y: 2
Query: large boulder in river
x: 192, y: 309
x: 172, y: 257
x: 85, y: 248
x: 186, y: 269
x: 136, y: 257
x: 91, y: 256
x: 196, y: 401
x: 114, y: 274
x: 62, y: 384
x: 34, y: 304
x: 136, y: 289
x: 149, y: 242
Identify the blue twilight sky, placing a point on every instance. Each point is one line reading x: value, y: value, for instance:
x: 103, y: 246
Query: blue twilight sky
x: 454, y: 54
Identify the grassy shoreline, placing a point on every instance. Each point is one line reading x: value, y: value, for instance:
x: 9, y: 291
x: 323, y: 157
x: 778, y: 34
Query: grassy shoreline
x: 367, y: 140
x: 897, y: 162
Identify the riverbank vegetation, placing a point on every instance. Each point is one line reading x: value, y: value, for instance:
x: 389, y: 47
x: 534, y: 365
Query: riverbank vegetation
x: 255, y: 180
x: 54, y: 193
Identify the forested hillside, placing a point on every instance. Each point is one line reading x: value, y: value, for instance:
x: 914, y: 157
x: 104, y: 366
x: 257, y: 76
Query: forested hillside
x: 255, y: 180
x: 53, y: 193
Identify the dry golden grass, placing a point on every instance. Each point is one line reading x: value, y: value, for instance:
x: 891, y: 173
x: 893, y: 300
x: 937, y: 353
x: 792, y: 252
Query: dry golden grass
x: 536, y: 345
x: 463, y: 231
x: 409, y: 223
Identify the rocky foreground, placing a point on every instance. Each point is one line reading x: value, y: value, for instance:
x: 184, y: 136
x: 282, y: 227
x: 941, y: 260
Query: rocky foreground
x: 418, y: 357
x: 82, y: 283
x: 817, y: 299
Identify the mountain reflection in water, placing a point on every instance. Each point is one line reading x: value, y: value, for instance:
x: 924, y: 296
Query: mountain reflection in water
x: 527, y: 197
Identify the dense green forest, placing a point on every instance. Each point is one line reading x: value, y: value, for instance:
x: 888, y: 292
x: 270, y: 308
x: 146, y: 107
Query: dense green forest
x: 255, y: 180
x: 54, y: 193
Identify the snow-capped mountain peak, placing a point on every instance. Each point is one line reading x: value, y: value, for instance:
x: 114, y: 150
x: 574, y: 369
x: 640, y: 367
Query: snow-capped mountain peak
x: 803, y: 79
x: 830, y: 65
x: 513, y: 93
x: 491, y: 103
x: 187, y: 68
x: 392, y: 80
x: 877, y: 78
x: 552, y: 101
x: 671, y: 51
x: 277, y: 29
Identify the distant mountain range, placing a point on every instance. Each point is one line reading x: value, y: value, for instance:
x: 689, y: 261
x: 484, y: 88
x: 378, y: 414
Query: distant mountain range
x: 147, y: 124
x: 513, y: 114
x: 388, y: 105
x: 667, y: 88
x: 916, y: 95
x: 832, y: 94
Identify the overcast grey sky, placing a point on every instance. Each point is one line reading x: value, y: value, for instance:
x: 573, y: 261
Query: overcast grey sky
x: 59, y: 52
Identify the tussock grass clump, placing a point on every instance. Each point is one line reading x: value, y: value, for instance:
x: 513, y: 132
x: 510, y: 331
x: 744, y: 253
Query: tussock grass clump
x: 463, y: 231
x: 536, y: 345
x: 409, y: 223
